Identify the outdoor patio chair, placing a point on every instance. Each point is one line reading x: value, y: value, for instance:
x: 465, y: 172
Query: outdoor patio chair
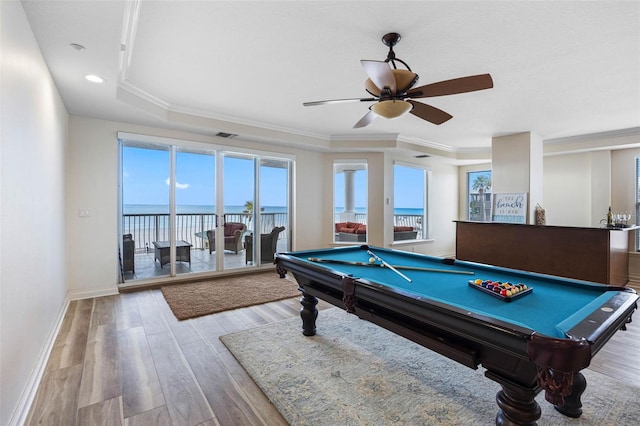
x: 128, y: 253
x: 268, y: 243
x: 232, y: 237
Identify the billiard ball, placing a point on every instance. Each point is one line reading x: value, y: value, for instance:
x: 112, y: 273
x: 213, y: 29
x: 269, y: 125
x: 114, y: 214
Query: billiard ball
x: 372, y: 260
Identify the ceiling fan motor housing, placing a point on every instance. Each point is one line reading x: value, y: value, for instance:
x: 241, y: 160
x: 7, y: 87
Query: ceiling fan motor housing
x: 405, y: 80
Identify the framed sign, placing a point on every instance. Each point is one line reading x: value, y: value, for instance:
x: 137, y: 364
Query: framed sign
x: 509, y: 207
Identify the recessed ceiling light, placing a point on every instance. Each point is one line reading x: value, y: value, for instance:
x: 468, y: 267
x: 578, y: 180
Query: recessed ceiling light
x: 94, y: 78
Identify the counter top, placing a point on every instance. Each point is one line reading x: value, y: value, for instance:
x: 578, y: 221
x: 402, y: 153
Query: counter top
x: 601, y: 228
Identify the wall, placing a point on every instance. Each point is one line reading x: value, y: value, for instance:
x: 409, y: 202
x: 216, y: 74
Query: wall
x: 92, y: 184
x: 517, y: 162
x: 567, y: 190
x: 308, y: 217
x: 580, y: 187
x: 601, y: 185
x: 623, y: 180
x: 444, y: 209
x: 32, y: 226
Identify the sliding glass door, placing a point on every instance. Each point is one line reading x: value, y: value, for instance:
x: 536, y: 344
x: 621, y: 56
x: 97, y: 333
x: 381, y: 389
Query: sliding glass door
x: 195, y: 200
x: 237, y: 207
x: 196, y: 210
x: 273, y: 220
x: 145, y: 211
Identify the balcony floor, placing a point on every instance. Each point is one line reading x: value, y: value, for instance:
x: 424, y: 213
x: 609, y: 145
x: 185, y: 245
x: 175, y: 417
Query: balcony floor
x: 146, y: 267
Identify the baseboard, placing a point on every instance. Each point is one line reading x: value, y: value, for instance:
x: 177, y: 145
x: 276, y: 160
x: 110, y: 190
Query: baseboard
x: 21, y: 412
x: 78, y: 295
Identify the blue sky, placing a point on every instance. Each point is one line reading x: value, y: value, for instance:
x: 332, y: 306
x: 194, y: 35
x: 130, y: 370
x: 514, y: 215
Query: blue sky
x: 408, y: 187
x: 146, y: 173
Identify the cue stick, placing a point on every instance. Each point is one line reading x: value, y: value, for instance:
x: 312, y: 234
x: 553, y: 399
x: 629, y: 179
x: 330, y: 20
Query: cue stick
x: 388, y: 265
x: 411, y: 268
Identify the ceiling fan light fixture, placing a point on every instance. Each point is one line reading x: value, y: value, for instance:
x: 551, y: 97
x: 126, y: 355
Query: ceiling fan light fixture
x: 391, y: 108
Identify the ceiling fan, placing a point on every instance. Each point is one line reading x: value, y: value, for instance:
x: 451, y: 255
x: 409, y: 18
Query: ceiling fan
x: 393, y: 92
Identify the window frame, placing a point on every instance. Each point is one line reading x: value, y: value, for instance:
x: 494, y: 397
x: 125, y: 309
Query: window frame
x: 424, y: 232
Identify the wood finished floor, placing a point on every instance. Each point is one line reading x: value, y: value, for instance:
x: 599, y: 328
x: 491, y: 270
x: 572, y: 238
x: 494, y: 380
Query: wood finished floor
x: 126, y: 360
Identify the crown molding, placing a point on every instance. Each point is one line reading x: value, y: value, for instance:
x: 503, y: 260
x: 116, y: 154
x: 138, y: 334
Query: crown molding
x: 600, y: 135
x: 181, y: 109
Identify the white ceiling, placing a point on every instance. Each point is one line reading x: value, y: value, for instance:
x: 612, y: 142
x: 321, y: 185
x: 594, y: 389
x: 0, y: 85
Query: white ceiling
x: 560, y: 68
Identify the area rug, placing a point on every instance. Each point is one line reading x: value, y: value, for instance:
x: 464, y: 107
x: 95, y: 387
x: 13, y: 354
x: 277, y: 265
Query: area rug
x: 222, y: 294
x: 355, y: 373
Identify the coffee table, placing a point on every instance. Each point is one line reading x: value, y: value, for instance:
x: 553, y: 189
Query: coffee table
x: 161, y: 252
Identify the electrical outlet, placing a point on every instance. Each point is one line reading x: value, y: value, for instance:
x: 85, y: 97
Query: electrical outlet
x: 83, y: 213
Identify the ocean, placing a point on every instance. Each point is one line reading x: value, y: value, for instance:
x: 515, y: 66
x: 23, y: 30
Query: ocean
x: 160, y: 209
x: 164, y: 209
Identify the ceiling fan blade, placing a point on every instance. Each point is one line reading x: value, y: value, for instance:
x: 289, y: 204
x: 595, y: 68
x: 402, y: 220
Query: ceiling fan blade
x: 380, y: 74
x: 366, y: 120
x: 339, y: 101
x: 429, y: 113
x: 453, y: 87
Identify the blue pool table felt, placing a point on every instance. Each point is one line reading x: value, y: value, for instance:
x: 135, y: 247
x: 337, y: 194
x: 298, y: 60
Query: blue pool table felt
x: 552, y: 308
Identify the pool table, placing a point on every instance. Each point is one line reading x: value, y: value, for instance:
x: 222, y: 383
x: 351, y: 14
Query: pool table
x: 537, y: 341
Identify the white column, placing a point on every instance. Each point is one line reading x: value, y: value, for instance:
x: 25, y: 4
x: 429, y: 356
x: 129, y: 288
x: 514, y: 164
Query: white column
x: 516, y: 166
x: 349, y: 195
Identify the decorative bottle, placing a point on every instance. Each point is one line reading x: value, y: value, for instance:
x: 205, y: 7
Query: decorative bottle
x: 609, y: 218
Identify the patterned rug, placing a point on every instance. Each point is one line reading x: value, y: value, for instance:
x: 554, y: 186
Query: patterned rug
x: 355, y: 373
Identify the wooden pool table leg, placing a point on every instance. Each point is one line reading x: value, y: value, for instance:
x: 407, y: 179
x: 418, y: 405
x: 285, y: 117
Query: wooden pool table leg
x: 572, y: 406
x: 308, y: 313
x: 517, y: 403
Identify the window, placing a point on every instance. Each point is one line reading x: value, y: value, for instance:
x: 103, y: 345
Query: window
x: 350, y: 200
x: 409, y: 202
x: 479, y: 196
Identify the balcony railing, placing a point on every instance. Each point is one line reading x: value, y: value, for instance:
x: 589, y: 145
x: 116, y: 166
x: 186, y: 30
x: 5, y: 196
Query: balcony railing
x: 147, y: 228
x: 413, y: 220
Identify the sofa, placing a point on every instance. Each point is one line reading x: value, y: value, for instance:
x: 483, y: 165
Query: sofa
x: 351, y: 231
x: 232, y: 237
x: 357, y: 232
x: 404, y: 233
